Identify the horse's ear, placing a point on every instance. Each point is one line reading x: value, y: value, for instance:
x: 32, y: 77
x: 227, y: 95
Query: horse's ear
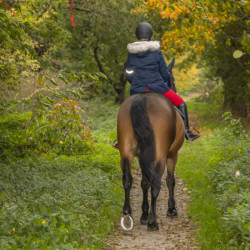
x: 171, y: 65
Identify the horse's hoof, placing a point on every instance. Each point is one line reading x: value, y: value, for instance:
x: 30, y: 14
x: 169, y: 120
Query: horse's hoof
x: 127, y: 223
x: 172, y: 213
x: 144, y: 219
x: 153, y: 226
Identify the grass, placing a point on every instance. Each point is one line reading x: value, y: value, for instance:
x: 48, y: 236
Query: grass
x: 209, y: 115
x: 71, y: 202
x: 196, y: 162
x: 59, y: 203
x: 63, y: 202
x: 193, y: 167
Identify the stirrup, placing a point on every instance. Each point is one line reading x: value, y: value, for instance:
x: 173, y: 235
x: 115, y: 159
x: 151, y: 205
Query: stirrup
x: 116, y: 146
x: 190, y: 136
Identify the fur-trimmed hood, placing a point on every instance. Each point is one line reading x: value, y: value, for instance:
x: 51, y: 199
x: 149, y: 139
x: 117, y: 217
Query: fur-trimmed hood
x: 142, y: 46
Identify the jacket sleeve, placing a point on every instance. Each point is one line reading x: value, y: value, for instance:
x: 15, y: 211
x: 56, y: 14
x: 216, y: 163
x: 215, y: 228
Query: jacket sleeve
x: 129, y: 72
x: 164, y: 70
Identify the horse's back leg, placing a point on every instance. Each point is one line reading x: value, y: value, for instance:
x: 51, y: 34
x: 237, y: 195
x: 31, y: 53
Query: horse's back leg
x: 145, y: 185
x: 171, y: 162
x: 127, y: 179
x: 152, y: 219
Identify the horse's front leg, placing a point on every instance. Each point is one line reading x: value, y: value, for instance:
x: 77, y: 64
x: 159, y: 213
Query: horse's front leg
x: 127, y: 180
x: 145, y: 185
x: 171, y: 162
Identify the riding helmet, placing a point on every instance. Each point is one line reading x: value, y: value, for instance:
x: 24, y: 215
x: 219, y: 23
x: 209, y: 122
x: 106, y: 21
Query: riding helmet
x: 144, y: 31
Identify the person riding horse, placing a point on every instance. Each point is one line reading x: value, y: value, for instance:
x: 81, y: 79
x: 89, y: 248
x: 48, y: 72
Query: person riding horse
x: 146, y: 70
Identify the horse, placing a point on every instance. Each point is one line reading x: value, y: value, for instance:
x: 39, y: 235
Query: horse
x: 150, y: 128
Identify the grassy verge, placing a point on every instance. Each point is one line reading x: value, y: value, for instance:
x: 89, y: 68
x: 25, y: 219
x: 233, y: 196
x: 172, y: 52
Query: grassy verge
x: 56, y: 201
x: 219, y: 198
x: 193, y: 167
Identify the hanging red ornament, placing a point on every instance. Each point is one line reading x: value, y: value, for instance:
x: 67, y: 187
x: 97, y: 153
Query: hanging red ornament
x: 71, y: 6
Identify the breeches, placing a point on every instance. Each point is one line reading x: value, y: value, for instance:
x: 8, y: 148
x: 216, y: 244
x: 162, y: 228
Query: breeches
x: 172, y: 97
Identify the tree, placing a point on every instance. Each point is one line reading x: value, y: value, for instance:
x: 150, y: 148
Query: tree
x: 99, y: 40
x: 29, y: 31
x: 214, y: 29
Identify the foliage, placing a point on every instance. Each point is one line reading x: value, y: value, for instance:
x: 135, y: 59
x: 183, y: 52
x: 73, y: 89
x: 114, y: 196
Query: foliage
x: 218, y: 180
x: 58, y: 202
x: 186, y: 80
x: 233, y: 129
x: 219, y: 31
x: 195, y: 22
x: 102, y: 32
x: 62, y: 129
x: 14, y: 49
x: 231, y: 178
x: 193, y: 168
x: 55, y: 122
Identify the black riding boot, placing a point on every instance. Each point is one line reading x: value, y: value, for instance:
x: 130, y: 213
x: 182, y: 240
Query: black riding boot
x: 188, y: 134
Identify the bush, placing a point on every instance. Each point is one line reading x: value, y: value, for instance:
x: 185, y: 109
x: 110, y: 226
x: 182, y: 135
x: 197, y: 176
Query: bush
x: 53, y: 201
x: 231, y: 179
x: 58, y: 202
x: 54, y: 121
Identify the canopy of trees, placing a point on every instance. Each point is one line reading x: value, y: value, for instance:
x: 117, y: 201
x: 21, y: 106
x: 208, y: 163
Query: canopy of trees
x: 89, y: 36
x: 219, y: 31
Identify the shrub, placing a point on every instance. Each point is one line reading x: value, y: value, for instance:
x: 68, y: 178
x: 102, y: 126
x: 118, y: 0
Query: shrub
x: 55, y: 122
x: 231, y: 179
x: 58, y: 202
x: 60, y: 130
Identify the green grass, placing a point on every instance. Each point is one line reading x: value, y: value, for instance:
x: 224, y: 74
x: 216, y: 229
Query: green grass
x: 59, y: 203
x: 210, y: 115
x: 208, y: 172
x: 193, y: 167
x: 63, y: 202
x: 102, y: 118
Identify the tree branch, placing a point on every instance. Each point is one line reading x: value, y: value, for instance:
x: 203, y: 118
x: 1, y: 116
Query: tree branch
x: 99, y: 64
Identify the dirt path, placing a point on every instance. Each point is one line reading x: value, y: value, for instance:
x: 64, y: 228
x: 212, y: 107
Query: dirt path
x: 191, y: 96
x: 174, y: 233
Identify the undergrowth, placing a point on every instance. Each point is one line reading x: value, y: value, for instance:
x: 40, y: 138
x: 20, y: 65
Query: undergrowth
x: 215, y: 169
x: 51, y: 198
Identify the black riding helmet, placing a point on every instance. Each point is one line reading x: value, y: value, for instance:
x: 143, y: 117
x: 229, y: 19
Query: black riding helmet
x: 144, y: 31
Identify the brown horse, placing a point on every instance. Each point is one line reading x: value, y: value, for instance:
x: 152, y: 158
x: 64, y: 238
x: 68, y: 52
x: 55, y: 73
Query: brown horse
x: 150, y: 128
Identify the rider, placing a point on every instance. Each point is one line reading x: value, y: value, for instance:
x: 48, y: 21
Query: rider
x: 146, y: 70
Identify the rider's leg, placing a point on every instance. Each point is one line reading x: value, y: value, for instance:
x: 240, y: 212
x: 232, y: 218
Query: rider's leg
x: 181, y: 105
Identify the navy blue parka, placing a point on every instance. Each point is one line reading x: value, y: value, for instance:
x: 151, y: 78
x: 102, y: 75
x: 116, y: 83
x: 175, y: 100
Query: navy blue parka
x: 146, y: 67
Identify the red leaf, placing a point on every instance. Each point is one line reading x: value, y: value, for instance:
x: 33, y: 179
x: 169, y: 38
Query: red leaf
x: 72, y: 19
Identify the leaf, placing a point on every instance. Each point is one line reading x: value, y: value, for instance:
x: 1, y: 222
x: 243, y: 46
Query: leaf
x: 237, y: 54
x: 40, y: 79
x: 100, y: 74
x: 26, y: 101
x: 52, y: 81
x: 63, y: 78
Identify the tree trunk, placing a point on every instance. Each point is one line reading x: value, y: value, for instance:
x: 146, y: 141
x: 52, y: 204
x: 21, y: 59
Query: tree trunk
x: 235, y: 97
x: 120, y: 89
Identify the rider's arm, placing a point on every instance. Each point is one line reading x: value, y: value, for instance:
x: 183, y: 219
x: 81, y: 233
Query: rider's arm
x: 129, y: 72
x: 164, y: 70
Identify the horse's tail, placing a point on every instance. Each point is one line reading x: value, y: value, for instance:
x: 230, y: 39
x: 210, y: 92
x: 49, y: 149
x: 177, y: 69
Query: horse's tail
x: 145, y: 139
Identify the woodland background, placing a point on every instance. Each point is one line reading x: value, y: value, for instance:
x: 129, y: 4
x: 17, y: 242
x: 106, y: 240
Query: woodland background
x: 61, y: 83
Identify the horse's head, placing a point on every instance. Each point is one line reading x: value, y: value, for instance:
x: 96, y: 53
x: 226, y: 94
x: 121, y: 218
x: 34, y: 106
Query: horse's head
x: 170, y: 67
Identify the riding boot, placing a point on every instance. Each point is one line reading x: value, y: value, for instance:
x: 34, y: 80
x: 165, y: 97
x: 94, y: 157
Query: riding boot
x: 188, y: 134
